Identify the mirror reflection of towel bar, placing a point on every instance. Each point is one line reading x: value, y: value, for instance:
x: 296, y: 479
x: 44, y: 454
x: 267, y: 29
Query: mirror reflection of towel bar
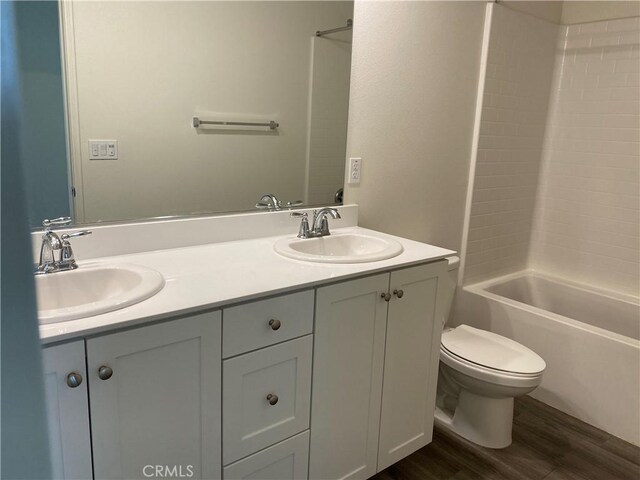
x: 197, y: 122
x: 348, y: 26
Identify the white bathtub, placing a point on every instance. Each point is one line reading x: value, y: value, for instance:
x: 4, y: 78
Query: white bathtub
x: 589, y: 338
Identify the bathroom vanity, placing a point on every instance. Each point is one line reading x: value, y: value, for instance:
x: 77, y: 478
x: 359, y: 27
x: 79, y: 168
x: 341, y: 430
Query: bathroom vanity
x: 249, y: 364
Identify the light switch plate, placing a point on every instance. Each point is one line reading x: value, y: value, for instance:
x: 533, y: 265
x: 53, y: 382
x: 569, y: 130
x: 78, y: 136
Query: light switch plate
x: 355, y: 170
x: 103, y: 149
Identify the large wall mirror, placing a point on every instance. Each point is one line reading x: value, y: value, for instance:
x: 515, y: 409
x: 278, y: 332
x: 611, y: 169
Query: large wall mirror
x: 157, y: 95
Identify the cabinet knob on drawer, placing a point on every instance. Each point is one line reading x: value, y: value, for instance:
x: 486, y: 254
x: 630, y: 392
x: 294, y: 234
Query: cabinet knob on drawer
x: 272, y: 398
x: 105, y: 372
x: 398, y: 293
x: 386, y: 296
x: 74, y: 379
x: 275, y: 324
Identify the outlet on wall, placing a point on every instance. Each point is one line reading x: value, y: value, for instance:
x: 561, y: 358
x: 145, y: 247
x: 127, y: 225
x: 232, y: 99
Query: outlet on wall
x: 103, y: 149
x: 355, y: 170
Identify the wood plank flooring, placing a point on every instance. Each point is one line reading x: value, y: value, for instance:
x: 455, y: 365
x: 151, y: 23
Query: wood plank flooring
x: 547, y: 444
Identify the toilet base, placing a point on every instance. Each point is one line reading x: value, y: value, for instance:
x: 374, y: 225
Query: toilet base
x: 482, y: 420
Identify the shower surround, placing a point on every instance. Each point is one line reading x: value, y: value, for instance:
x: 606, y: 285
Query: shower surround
x: 555, y: 193
x: 518, y: 79
x: 587, y: 218
x: 556, y: 185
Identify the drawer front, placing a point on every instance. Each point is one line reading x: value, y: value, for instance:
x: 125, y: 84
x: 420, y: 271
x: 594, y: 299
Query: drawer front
x: 266, y: 397
x: 266, y: 322
x: 287, y: 460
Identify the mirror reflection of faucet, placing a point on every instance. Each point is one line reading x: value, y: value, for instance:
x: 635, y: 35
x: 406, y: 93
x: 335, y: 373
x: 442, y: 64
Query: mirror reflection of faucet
x: 270, y: 202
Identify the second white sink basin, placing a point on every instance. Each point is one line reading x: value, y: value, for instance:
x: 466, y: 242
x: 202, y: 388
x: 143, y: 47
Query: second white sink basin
x: 339, y: 248
x: 92, y: 290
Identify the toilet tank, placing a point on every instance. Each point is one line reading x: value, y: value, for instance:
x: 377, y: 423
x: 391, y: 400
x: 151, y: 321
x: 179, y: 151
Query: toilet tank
x: 452, y: 282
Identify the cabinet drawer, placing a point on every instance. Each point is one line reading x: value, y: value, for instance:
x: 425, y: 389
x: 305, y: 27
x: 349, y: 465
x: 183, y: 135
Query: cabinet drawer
x: 266, y: 322
x: 266, y: 397
x: 287, y: 460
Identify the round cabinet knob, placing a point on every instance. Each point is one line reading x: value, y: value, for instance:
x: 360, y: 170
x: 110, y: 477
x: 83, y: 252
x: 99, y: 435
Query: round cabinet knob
x: 386, y: 296
x: 105, y: 372
x: 398, y: 293
x: 74, y: 379
x: 275, y: 324
x: 272, y: 398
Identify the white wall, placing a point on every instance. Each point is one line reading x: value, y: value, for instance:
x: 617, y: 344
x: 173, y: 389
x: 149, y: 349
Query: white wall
x: 593, y: 11
x: 413, y: 91
x: 588, y: 213
x: 512, y: 124
x: 550, y: 11
x: 145, y: 68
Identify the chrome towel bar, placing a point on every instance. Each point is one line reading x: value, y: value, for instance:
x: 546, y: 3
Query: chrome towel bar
x: 348, y: 26
x: 271, y: 124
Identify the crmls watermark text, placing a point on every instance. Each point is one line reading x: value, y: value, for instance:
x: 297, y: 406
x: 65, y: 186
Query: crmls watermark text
x: 168, y: 471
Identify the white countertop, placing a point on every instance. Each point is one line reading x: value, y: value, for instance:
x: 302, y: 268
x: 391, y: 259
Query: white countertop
x: 210, y: 276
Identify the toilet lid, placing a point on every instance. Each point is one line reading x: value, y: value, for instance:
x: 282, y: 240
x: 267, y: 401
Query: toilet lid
x: 491, y: 350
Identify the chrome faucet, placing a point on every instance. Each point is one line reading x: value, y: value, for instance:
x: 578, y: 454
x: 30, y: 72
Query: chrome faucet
x: 319, y: 225
x: 51, y: 243
x: 270, y: 202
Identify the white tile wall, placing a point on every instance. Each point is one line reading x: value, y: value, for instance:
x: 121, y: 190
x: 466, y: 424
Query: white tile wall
x: 587, y: 219
x: 519, y: 74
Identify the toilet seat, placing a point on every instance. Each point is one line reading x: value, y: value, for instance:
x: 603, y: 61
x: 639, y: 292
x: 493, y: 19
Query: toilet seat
x: 489, y: 375
x: 490, y: 357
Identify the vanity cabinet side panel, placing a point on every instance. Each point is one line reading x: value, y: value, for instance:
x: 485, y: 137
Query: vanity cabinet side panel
x: 347, y: 378
x: 162, y: 403
x: 414, y: 328
x: 67, y: 410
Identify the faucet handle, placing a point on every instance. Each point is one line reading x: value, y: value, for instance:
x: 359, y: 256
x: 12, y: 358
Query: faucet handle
x: 304, y: 224
x: 56, y: 222
x: 67, y: 259
x: 80, y: 233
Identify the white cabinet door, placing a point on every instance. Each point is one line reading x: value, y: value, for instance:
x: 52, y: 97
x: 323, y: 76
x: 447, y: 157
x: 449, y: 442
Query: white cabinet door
x: 347, y: 378
x: 414, y: 328
x: 161, y: 405
x: 287, y: 460
x: 67, y: 410
x: 266, y: 397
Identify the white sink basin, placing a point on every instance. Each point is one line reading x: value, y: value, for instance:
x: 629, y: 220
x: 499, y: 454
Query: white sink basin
x: 339, y: 248
x: 92, y: 290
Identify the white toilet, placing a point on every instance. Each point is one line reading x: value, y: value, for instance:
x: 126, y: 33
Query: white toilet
x: 480, y: 374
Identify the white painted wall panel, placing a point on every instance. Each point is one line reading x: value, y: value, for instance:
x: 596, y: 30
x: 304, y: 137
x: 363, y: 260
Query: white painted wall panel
x: 413, y: 91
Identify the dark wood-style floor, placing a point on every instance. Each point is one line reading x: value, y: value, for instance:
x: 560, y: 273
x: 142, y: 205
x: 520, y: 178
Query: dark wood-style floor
x: 547, y: 444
